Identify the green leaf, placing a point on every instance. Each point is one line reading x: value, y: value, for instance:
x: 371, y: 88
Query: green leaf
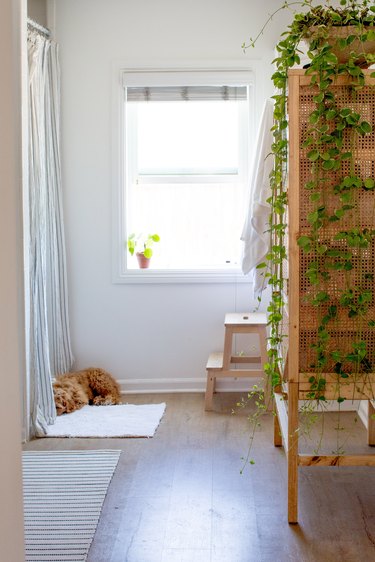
x: 313, y: 155
x: 331, y: 59
x: 328, y: 164
x: 355, y: 71
x: 345, y: 155
x: 369, y: 183
x: 313, y: 217
x: 304, y: 242
x: 333, y: 253
x: 314, y: 117
x: 322, y: 249
x: 319, y: 98
x: 365, y: 127
x: 330, y: 114
x: 315, y: 197
x: 325, y: 156
x: 321, y: 297
x: 310, y: 185
x: 307, y: 142
x: 353, y: 118
x: 339, y: 213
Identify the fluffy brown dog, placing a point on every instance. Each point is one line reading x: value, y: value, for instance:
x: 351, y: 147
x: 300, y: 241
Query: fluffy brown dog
x: 72, y: 391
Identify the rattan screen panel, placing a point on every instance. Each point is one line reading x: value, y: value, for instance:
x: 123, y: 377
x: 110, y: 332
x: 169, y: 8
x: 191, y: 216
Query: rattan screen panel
x: 363, y: 103
x: 344, y: 329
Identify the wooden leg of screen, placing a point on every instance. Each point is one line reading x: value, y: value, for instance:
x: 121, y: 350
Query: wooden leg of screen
x: 293, y: 452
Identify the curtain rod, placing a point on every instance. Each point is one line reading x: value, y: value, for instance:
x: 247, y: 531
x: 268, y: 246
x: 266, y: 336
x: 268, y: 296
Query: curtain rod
x: 37, y: 27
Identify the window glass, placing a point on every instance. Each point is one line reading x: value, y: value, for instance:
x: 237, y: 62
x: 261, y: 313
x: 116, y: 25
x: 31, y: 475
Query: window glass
x: 192, y: 137
x: 186, y: 155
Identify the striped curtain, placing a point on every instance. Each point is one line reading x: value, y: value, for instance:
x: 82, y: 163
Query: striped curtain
x: 49, y: 345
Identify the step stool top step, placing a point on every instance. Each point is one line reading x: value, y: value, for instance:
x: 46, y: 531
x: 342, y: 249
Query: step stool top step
x: 245, y: 318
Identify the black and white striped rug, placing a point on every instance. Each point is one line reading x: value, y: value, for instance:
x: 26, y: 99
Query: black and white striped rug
x: 63, y: 496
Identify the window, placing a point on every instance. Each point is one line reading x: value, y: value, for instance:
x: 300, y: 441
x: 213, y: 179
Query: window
x: 185, y: 149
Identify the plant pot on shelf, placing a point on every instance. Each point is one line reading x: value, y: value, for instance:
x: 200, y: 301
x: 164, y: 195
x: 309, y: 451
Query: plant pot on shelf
x: 143, y: 262
x: 333, y: 34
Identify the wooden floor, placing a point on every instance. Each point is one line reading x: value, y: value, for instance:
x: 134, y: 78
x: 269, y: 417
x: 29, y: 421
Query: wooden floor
x: 180, y: 497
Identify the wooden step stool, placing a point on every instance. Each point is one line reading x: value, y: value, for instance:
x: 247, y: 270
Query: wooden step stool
x: 219, y: 364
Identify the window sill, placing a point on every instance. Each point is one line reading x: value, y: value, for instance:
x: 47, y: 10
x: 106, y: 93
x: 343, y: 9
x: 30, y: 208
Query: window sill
x: 140, y: 276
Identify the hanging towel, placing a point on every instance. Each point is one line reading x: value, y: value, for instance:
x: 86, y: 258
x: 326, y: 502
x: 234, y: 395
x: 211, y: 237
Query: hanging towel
x: 255, y: 233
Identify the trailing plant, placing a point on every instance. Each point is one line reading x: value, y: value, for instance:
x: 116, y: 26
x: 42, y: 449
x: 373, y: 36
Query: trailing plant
x: 329, y: 141
x: 257, y: 394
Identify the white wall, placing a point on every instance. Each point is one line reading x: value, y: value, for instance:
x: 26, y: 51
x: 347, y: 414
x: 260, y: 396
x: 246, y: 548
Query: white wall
x: 37, y: 11
x: 140, y: 332
x: 11, y: 300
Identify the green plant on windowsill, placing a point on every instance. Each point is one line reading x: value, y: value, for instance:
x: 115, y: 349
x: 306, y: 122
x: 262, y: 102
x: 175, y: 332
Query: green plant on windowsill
x: 142, y: 245
x: 331, y: 128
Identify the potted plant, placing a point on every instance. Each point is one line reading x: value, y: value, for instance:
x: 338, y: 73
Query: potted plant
x: 141, y: 244
x: 330, y: 125
x: 347, y: 31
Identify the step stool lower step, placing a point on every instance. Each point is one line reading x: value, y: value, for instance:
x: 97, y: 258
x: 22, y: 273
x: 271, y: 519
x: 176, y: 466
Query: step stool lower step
x: 215, y: 371
x: 215, y: 364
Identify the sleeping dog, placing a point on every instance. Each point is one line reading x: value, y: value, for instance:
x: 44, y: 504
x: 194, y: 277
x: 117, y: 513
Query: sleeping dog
x: 74, y: 390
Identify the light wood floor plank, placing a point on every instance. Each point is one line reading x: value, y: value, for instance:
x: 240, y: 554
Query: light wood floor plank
x: 180, y: 497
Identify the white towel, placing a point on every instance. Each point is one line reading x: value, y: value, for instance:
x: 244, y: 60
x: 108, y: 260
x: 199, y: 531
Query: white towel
x: 255, y: 233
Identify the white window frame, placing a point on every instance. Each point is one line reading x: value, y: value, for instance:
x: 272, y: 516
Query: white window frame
x: 172, y: 76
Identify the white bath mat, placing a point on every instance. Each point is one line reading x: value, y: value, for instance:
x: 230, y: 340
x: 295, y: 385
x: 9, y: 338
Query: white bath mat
x: 63, y: 495
x: 123, y: 420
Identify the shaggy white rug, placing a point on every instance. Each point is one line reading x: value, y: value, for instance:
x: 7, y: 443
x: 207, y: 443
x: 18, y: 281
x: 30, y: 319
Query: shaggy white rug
x: 124, y: 420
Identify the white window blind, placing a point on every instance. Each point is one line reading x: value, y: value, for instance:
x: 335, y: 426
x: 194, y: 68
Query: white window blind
x: 186, y: 93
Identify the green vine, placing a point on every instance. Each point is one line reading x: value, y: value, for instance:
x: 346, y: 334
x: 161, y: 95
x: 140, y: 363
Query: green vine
x: 332, y: 134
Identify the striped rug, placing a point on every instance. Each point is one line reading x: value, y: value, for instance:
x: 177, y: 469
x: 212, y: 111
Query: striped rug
x: 63, y: 496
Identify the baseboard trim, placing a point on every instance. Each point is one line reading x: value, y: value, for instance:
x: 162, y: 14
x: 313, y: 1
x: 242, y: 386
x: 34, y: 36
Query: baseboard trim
x: 157, y: 386
x: 240, y: 385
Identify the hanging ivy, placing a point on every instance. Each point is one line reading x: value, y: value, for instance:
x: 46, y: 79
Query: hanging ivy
x: 332, y: 134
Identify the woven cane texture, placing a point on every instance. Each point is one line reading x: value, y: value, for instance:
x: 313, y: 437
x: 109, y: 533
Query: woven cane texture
x: 343, y: 329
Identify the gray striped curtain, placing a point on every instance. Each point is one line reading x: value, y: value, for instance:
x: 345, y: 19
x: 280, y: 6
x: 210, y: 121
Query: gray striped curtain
x: 49, y: 345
